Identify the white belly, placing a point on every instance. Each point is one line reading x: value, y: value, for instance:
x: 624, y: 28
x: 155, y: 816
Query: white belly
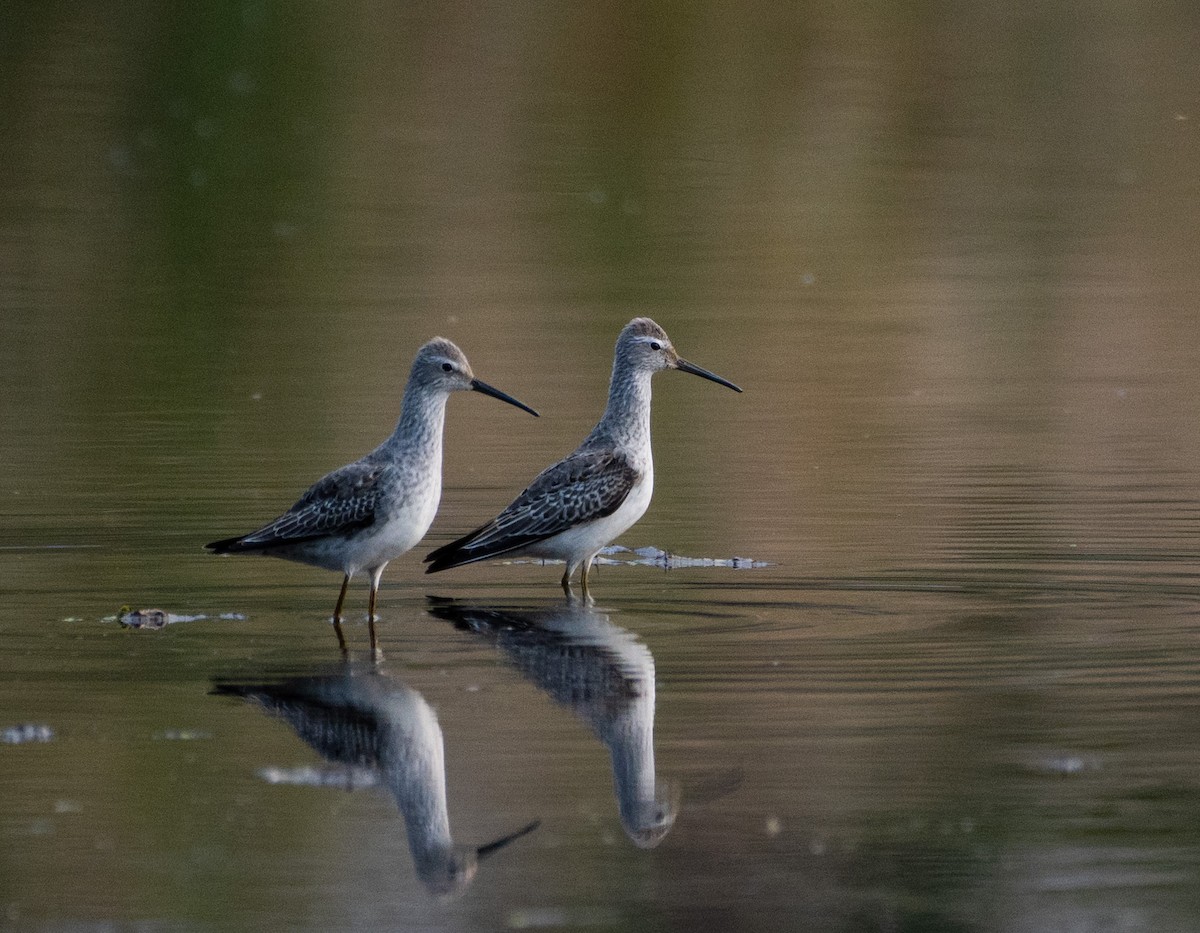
x: 371, y: 548
x: 581, y: 543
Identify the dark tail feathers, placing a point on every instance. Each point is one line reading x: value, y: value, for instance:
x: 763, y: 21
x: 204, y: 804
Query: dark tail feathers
x: 226, y: 546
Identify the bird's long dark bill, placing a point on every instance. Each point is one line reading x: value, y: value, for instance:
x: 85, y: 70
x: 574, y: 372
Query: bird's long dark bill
x: 484, y: 851
x: 480, y: 386
x: 687, y: 367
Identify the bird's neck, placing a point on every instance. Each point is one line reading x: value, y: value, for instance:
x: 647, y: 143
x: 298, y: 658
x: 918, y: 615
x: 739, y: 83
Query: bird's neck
x: 419, y: 431
x: 630, y: 739
x: 415, y: 771
x: 627, y: 417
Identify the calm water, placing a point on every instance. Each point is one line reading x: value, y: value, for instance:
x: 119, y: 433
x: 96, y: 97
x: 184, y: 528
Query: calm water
x: 949, y: 253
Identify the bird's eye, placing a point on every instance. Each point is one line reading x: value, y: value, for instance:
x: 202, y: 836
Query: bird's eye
x: 447, y: 367
x: 655, y: 345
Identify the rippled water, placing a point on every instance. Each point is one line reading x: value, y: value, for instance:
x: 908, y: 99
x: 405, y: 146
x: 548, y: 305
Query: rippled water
x: 950, y: 680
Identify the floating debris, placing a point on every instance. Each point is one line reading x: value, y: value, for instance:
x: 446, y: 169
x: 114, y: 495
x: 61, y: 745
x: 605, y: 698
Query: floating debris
x: 154, y: 619
x: 532, y: 918
x: 307, y: 776
x: 142, y: 618
x: 1063, y: 764
x: 26, y: 732
x: 656, y: 557
x: 183, y: 735
x: 543, y: 918
x: 615, y: 554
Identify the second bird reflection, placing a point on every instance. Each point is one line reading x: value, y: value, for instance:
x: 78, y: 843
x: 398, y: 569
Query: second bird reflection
x: 361, y: 717
x: 605, y: 676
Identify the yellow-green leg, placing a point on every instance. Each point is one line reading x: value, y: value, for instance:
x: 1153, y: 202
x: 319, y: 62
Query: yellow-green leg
x: 583, y: 579
x: 376, y: 574
x: 371, y: 617
x: 337, y: 614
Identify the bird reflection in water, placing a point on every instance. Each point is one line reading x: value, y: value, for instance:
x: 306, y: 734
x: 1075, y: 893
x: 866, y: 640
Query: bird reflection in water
x: 363, y: 718
x: 605, y: 675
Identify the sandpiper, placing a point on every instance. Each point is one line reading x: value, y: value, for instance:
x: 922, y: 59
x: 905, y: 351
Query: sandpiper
x: 364, y: 719
x: 605, y: 675
x: 575, y: 507
x: 368, y: 512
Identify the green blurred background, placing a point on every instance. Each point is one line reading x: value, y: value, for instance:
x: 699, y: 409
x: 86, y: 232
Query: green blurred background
x: 949, y: 249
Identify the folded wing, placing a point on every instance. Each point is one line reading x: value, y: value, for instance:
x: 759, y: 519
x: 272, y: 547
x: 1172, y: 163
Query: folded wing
x: 344, y: 501
x: 584, y: 487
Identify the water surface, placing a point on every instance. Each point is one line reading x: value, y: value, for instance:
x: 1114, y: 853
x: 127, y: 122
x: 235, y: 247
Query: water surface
x: 950, y: 256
